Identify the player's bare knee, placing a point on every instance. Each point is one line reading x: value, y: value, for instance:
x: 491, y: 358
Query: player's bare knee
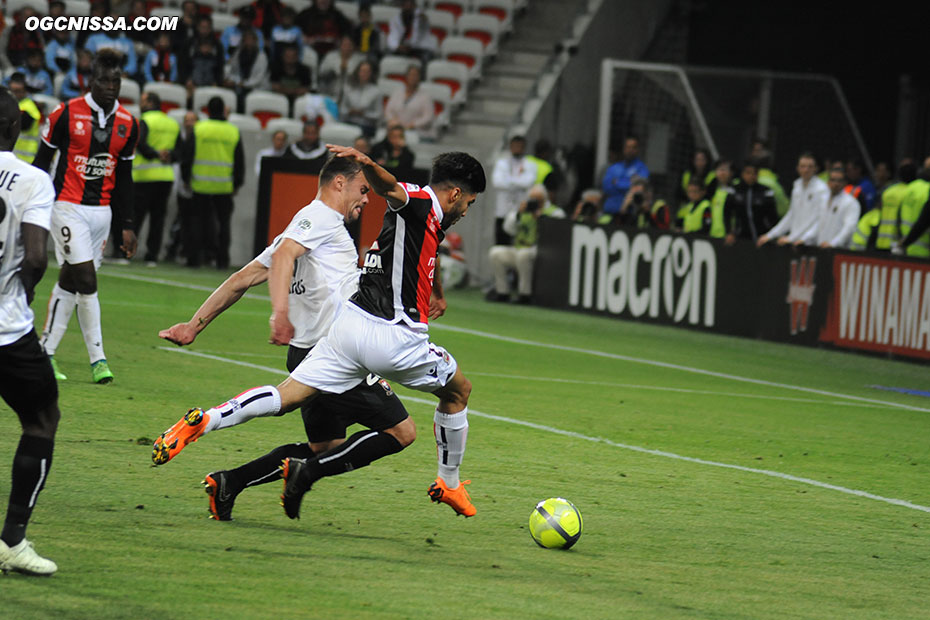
x: 404, y: 432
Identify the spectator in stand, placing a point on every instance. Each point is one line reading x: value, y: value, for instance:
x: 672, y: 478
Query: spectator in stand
x: 588, y: 210
x: 322, y: 25
x: 286, y: 33
x: 268, y: 14
x: 883, y: 177
x: 809, y: 197
x: 513, y: 176
x: 337, y: 66
x: 700, y: 168
x: 366, y: 35
x: 361, y: 99
x: 892, y: 199
x: 409, y: 33
x: 38, y: 81
x: 206, y: 60
x: 860, y: 185
x: 186, y: 30
x: 22, y: 40
x: 308, y: 147
x: 277, y: 149
x: 56, y: 8
x: 411, y: 107
x: 522, y: 224
x: 754, y: 208
x: 59, y: 53
x: 289, y: 76
x: 248, y: 68
x: 161, y: 65
x: 77, y: 81
x: 839, y: 219
x: 617, y: 178
x: 393, y: 154
x: 115, y: 39
x: 137, y: 8
x: 232, y: 35
x: 97, y: 9
x: 362, y: 145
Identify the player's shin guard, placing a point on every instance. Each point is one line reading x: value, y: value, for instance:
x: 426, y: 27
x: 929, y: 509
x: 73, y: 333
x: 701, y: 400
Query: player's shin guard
x: 451, y: 430
x: 88, y: 311
x: 268, y: 468
x: 60, y: 308
x: 31, y: 464
x: 359, y: 450
x: 255, y: 403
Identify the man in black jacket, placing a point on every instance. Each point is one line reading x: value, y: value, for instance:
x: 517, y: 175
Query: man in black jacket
x: 754, y: 205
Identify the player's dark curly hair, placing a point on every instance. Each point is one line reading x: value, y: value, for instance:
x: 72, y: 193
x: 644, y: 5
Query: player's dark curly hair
x: 459, y: 170
x: 107, y: 59
x: 346, y: 166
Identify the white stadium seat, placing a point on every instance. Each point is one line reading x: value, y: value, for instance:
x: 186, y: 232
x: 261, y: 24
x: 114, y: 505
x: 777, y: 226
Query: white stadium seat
x: 503, y: 10
x: 265, y: 105
x: 395, y: 67
x: 166, y: 11
x: 245, y: 122
x: 382, y: 14
x: 441, y: 94
x: 129, y: 92
x: 221, y: 21
x: 50, y: 102
x: 172, y: 95
x: 456, y: 7
x: 77, y: 7
x: 485, y: 28
x: 178, y: 115
x: 343, y: 134
x: 203, y: 94
x: 293, y: 127
x: 452, y: 74
x: 464, y: 50
x: 348, y: 8
x: 441, y: 23
x: 39, y: 6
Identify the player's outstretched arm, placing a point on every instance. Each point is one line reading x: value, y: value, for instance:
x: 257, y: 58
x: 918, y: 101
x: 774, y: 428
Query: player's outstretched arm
x: 382, y: 182
x: 226, y: 294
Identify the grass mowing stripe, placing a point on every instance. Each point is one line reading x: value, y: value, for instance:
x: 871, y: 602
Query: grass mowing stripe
x: 660, y: 364
x: 640, y: 449
x: 559, y: 347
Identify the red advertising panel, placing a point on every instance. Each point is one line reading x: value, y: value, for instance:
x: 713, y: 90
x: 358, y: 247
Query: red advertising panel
x: 879, y: 305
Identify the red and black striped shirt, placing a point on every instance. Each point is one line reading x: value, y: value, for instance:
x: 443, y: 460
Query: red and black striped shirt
x: 88, y: 149
x: 397, y: 278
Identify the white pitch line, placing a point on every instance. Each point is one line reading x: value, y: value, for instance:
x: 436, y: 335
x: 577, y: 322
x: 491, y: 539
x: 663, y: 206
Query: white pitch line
x: 574, y: 435
x: 594, y: 352
x: 659, y: 388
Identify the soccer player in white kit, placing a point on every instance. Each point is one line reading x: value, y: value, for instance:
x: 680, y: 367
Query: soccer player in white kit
x: 27, y: 382
x: 382, y: 329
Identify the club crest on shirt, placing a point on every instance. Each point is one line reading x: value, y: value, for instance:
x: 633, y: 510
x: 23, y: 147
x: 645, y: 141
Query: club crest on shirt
x: 121, y: 131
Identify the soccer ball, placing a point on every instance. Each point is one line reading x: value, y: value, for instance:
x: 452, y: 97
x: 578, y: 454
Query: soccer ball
x: 555, y: 523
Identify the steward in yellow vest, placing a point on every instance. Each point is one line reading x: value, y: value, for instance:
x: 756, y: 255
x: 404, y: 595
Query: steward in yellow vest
x: 915, y: 218
x: 867, y: 232
x: 892, y: 199
x: 27, y: 145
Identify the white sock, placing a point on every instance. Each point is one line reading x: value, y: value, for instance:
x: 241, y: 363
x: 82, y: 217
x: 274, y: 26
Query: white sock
x: 451, y: 431
x: 88, y: 311
x: 60, y: 307
x: 257, y: 402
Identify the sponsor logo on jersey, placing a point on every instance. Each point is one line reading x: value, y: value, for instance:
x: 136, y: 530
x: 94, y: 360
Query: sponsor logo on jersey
x: 79, y: 129
x: 96, y: 166
x: 304, y: 224
x: 373, y: 263
x: 297, y: 287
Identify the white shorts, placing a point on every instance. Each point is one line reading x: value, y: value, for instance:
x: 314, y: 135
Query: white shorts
x: 358, y: 344
x: 80, y: 232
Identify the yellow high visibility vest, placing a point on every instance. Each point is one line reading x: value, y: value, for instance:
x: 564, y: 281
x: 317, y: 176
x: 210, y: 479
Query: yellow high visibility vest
x: 917, y: 194
x: 867, y: 223
x: 892, y: 199
x: 27, y: 145
x: 692, y: 216
x: 162, y: 136
x: 214, y: 155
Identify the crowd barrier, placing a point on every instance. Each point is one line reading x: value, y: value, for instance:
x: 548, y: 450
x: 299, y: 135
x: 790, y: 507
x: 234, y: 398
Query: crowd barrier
x: 809, y: 296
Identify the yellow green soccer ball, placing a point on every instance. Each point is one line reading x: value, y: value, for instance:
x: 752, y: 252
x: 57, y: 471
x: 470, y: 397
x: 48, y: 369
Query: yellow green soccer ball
x: 555, y: 523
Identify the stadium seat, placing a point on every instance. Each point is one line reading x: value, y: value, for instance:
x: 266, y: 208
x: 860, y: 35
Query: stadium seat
x: 166, y: 11
x: 395, y: 67
x: 348, y: 8
x: 387, y: 86
x: 133, y: 109
x: 293, y: 127
x: 382, y: 14
x: 12, y: 6
x: 456, y: 7
x: 265, y: 105
x: 485, y: 28
x: 172, y: 95
x: 77, y: 7
x: 315, y: 102
x: 221, y: 21
x: 343, y: 134
x: 203, y: 94
x: 452, y: 74
x: 245, y: 122
x: 441, y: 23
x: 441, y: 95
x: 466, y: 51
x: 503, y: 10
x: 50, y: 102
x: 178, y: 115
x: 129, y: 92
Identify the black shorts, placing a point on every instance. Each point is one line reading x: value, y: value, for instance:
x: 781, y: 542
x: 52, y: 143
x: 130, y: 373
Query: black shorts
x: 372, y: 403
x: 27, y: 382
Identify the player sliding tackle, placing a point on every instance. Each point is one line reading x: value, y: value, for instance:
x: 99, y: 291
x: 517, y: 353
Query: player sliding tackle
x: 382, y: 329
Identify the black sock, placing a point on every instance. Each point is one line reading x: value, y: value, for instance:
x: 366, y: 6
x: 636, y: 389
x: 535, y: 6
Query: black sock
x: 31, y: 464
x: 358, y: 451
x: 266, y: 468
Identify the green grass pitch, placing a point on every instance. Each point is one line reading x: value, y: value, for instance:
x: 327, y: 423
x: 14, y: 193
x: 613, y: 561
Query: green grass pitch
x: 728, y: 493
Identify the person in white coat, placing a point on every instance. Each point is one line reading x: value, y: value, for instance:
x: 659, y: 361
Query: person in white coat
x: 513, y: 177
x: 808, y: 200
x: 839, y: 219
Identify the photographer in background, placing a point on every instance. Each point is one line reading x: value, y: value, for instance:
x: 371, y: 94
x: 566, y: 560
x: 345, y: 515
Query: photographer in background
x: 523, y: 225
x: 588, y: 210
x: 641, y: 209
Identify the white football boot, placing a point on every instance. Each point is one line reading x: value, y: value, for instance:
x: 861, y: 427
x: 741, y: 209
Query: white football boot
x: 22, y: 558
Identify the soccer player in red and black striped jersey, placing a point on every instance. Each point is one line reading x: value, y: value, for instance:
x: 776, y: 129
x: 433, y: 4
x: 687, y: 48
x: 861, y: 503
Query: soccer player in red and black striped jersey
x: 382, y: 329
x: 95, y: 138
